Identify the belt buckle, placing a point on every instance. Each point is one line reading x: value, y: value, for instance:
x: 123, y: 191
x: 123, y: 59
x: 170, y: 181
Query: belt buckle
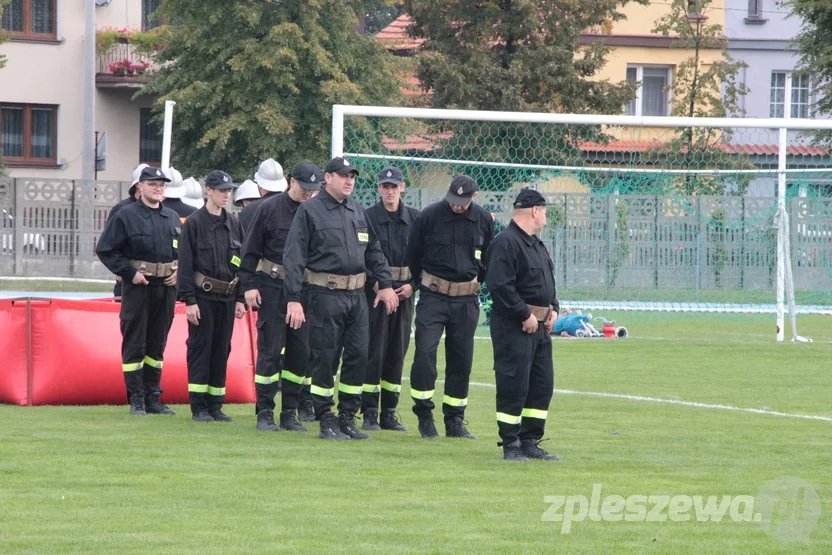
x: 207, y: 286
x: 142, y: 268
x: 331, y: 282
x: 273, y: 272
x: 434, y: 286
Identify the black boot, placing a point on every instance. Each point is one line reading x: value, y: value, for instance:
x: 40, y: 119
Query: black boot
x: 219, y: 416
x: 155, y: 406
x: 202, y: 416
x: 265, y: 421
x: 346, y: 422
x: 330, y: 428
x: 532, y: 449
x: 455, y: 427
x: 137, y: 404
x: 306, y: 411
x: 427, y: 427
x: 390, y: 421
x: 370, y: 420
x: 288, y: 421
x: 513, y: 451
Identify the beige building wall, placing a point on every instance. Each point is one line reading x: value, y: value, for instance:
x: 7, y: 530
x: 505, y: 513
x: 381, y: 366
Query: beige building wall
x: 641, y: 19
x: 53, y: 73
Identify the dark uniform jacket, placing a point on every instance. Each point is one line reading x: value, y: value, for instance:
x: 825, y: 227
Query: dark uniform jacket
x: 124, y: 202
x: 247, y: 213
x: 211, y: 246
x: 266, y: 236
x: 448, y: 245
x: 520, y: 273
x: 393, y: 233
x: 331, y: 237
x: 178, y: 206
x: 138, y: 232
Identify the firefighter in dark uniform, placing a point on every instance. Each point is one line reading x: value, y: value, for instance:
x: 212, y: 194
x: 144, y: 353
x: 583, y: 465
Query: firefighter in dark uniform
x: 140, y: 244
x: 521, y: 280
x: 279, y: 347
x: 332, y: 244
x: 445, y: 252
x: 209, y: 257
x: 389, y: 333
x: 132, y: 196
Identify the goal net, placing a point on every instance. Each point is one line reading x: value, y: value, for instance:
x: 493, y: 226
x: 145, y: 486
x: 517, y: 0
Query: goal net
x: 659, y: 217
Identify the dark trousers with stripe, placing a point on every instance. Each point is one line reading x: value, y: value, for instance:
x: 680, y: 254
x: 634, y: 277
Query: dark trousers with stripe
x: 209, y: 345
x: 146, y: 317
x: 338, y: 322
x: 525, y: 378
x: 279, y: 347
x: 457, y: 318
x: 389, y: 341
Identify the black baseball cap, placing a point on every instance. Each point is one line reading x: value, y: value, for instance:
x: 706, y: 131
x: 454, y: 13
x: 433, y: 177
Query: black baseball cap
x: 461, y: 191
x: 391, y: 174
x: 153, y: 174
x: 529, y: 198
x: 341, y: 166
x: 219, y: 180
x: 309, y: 176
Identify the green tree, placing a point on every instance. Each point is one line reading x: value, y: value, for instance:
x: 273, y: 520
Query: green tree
x: 702, y: 90
x: 814, y: 44
x: 516, y: 55
x: 257, y: 79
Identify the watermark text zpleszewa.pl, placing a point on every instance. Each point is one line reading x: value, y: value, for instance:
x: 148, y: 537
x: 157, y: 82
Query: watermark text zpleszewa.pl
x: 787, y: 508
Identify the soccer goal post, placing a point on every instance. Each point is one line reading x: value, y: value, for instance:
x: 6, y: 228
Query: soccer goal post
x: 651, y: 214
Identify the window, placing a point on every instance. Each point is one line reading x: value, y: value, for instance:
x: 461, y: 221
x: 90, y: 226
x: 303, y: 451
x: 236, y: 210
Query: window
x: 755, y: 9
x: 149, y: 21
x: 653, y: 96
x: 28, y: 133
x: 30, y: 18
x: 789, y: 89
x: 150, y: 139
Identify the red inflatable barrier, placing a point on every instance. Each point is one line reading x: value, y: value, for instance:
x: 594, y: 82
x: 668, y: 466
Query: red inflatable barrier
x: 14, y: 388
x: 76, y: 356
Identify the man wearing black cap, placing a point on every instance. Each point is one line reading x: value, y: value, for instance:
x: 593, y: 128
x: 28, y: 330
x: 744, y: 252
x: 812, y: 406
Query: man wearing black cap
x: 279, y: 347
x: 445, y: 253
x: 389, y: 333
x: 209, y: 257
x: 521, y: 280
x: 133, y: 194
x: 140, y: 244
x: 333, y: 245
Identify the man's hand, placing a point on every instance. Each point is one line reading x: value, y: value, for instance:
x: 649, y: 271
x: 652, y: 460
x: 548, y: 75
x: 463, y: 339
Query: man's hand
x: 139, y: 279
x: 170, y: 281
x: 389, y: 298
x: 239, y: 310
x: 405, y: 291
x: 375, y: 287
x: 294, y: 315
x: 192, y: 312
x: 530, y: 324
x: 253, y: 299
x: 551, y: 321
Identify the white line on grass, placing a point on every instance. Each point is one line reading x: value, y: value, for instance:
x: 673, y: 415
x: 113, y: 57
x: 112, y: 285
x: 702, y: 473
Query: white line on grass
x: 671, y: 402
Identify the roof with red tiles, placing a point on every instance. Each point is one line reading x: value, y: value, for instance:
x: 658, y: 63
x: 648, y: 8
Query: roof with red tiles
x: 395, y: 35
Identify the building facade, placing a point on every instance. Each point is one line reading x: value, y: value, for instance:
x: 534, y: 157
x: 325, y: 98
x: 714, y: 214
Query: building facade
x: 41, y: 90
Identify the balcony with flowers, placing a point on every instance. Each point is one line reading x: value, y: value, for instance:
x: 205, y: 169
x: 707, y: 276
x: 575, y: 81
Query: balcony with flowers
x: 125, y: 57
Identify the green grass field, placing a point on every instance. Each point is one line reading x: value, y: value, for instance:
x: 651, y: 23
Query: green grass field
x: 87, y: 479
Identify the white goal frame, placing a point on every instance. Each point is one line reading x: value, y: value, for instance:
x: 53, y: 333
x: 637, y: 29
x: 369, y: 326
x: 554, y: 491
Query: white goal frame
x: 785, y: 284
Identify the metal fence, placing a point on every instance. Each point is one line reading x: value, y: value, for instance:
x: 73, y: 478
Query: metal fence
x: 51, y: 227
